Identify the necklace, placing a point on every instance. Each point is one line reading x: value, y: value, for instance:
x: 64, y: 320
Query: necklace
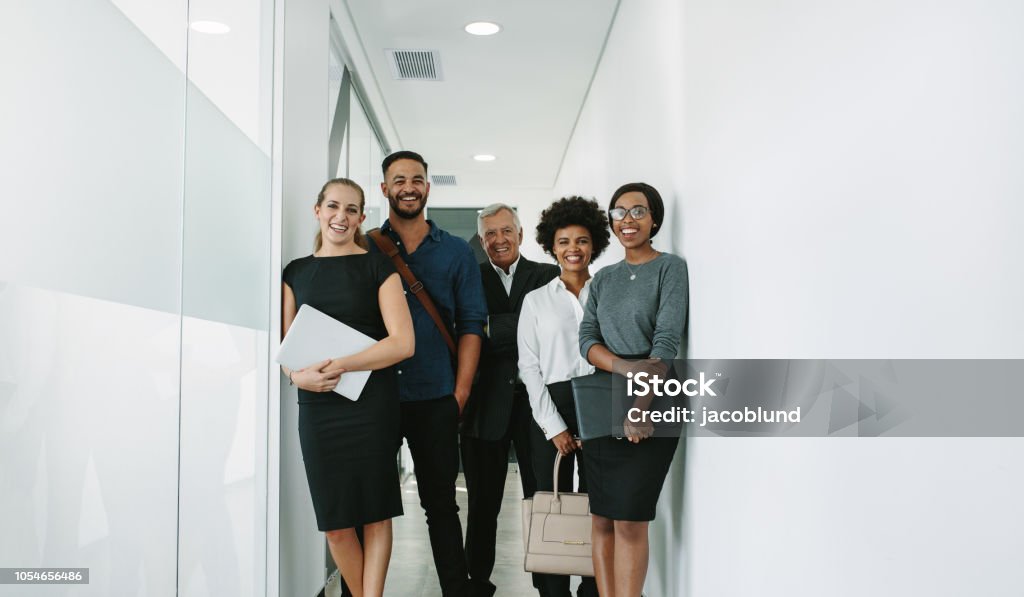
x: 634, y: 272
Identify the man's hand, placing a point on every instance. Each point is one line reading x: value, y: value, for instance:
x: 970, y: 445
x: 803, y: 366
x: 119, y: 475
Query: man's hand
x: 468, y: 356
x: 461, y: 396
x: 564, y: 443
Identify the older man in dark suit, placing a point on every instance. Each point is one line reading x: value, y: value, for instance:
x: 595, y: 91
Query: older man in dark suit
x: 498, y: 414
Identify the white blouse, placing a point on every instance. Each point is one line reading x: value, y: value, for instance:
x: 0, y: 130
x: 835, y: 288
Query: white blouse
x: 549, y: 348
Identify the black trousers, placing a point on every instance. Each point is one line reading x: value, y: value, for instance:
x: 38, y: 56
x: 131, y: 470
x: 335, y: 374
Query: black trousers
x: 432, y: 429
x: 485, y: 464
x: 544, y: 454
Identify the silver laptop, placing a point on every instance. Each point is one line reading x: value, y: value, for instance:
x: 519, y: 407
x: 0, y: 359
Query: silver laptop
x: 315, y: 337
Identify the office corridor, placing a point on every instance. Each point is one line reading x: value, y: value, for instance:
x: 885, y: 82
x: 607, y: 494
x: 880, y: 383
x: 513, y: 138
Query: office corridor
x: 838, y: 176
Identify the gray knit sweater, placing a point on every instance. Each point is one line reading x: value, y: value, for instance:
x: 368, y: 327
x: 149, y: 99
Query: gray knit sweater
x: 643, y: 316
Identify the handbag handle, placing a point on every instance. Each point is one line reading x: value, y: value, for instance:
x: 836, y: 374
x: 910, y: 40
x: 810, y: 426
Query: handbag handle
x: 558, y: 461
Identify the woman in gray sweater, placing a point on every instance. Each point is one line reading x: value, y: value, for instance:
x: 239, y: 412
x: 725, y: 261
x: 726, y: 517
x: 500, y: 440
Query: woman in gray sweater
x: 636, y: 310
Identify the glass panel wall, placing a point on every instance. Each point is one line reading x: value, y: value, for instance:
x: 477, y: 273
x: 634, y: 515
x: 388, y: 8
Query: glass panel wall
x: 225, y: 306
x: 360, y: 139
x: 356, y: 149
x: 376, y: 204
x: 133, y: 295
x: 92, y: 157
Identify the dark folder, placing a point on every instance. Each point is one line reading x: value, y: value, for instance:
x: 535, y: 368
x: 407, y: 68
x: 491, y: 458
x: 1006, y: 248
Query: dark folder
x: 598, y: 412
x: 602, y: 403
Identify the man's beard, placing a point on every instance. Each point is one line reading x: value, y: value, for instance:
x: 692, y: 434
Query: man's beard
x: 407, y: 215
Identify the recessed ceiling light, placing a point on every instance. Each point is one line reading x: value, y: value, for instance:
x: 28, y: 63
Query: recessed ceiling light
x: 210, y: 27
x: 483, y: 28
x: 484, y: 157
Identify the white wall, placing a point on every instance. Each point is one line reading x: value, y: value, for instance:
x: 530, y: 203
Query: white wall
x: 304, y: 152
x: 305, y: 129
x: 840, y: 180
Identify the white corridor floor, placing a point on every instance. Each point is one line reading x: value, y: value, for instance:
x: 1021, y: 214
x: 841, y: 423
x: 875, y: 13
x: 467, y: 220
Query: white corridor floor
x: 412, y: 572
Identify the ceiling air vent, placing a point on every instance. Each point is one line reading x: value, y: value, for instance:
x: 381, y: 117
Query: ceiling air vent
x: 415, y: 65
x: 445, y: 180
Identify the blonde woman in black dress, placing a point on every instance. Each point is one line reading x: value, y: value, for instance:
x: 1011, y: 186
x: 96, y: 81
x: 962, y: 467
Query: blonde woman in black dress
x: 349, y: 447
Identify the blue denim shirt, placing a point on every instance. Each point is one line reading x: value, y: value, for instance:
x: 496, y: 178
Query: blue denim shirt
x: 449, y: 272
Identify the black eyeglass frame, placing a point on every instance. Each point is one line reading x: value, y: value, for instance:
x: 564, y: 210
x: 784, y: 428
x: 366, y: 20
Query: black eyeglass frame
x: 638, y: 212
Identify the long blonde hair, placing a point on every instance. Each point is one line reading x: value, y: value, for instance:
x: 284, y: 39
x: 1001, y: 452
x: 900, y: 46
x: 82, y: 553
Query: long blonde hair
x: 358, y: 237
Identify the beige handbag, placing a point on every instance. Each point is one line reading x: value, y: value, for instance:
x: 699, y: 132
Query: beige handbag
x: 556, y: 531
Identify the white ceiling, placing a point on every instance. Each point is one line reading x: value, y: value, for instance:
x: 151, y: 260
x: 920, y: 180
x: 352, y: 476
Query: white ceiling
x: 515, y: 94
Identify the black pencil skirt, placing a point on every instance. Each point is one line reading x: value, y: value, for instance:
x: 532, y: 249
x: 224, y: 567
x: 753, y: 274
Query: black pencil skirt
x: 350, y: 453
x: 625, y: 479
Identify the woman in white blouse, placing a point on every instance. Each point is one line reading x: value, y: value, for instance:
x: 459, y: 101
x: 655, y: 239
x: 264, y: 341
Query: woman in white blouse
x: 574, y: 231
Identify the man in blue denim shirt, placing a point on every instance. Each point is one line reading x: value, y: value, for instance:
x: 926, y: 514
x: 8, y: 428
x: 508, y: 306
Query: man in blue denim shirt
x: 432, y: 395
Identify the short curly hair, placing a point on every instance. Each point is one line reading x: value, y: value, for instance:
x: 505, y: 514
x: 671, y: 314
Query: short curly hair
x: 574, y: 211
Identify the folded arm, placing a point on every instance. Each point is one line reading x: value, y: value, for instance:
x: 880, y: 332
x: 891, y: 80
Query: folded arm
x: 400, y: 342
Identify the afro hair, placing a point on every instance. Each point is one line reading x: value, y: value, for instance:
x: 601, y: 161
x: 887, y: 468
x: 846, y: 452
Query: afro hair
x: 574, y: 211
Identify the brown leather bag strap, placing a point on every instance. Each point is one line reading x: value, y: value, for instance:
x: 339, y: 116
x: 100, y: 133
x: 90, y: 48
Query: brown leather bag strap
x: 387, y: 246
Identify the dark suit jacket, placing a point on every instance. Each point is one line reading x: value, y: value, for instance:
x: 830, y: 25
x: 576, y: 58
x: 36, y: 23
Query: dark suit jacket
x: 490, y: 404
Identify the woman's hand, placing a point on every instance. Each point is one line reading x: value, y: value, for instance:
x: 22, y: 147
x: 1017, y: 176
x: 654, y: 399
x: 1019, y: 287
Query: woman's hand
x: 317, y: 378
x: 335, y: 367
x: 564, y: 443
x: 635, y: 432
x: 651, y: 367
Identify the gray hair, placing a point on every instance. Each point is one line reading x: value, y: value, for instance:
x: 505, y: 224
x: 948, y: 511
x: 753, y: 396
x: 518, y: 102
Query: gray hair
x: 493, y: 209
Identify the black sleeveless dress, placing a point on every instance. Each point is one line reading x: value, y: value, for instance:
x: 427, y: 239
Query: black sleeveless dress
x: 349, y: 448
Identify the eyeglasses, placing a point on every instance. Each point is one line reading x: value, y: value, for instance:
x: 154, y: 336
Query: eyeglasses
x: 638, y: 212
